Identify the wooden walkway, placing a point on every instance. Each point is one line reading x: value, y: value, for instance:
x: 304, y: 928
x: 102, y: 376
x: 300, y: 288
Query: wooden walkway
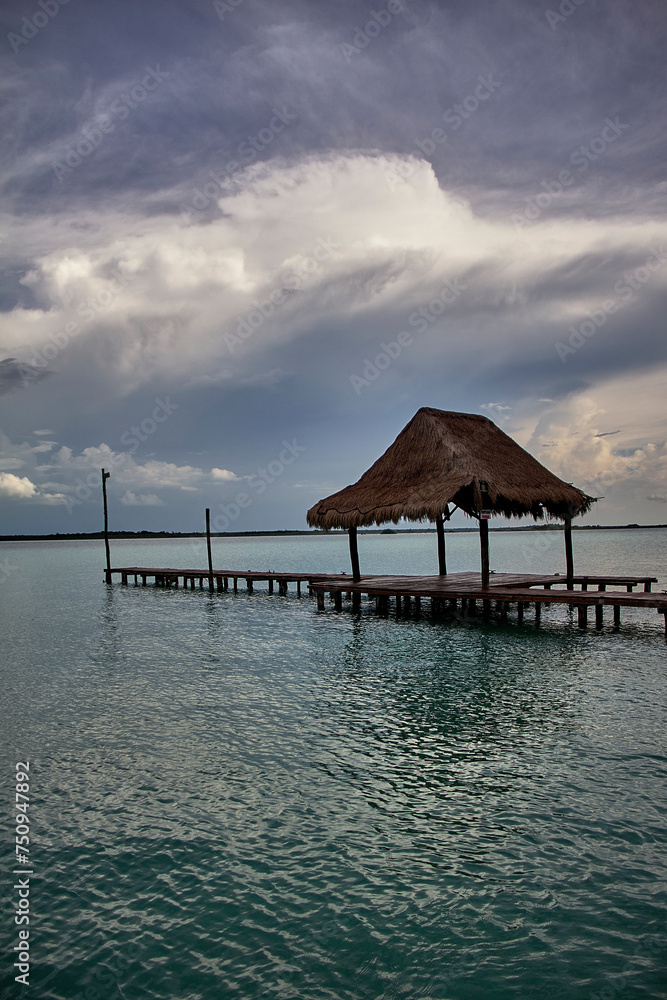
x: 219, y: 579
x: 504, y: 590
x: 459, y: 592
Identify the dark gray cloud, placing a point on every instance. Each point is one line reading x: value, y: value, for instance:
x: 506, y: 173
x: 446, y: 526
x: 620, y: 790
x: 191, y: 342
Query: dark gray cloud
x: 160, y: 180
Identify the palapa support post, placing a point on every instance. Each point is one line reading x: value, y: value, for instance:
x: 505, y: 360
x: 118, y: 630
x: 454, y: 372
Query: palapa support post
x: 208, y: 549
x: 484, y: 547
x: 569, y: 560
x: 105, y: 476
x: 440, y: 532
x: 354, y: 554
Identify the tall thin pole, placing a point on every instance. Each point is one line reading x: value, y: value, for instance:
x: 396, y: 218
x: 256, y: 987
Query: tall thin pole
x: 105, y: 476
x: 208, y: 548
x: 354, y: 554
x: 569, y: 559
x: 440, y: 532
x: 484, y: 545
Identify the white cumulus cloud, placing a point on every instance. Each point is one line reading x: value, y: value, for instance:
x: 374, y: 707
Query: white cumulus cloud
x: 13, y: 486
x: 131, y: 499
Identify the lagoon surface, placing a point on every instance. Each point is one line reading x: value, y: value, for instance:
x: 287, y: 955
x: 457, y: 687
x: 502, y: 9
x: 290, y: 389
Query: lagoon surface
x: 234, y: 796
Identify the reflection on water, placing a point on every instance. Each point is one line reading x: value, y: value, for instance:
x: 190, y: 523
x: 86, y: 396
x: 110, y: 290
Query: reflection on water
x: 237, y: 796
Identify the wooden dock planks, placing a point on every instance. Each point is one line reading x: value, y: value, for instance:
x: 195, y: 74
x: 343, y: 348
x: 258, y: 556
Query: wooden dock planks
x: 504, y: 589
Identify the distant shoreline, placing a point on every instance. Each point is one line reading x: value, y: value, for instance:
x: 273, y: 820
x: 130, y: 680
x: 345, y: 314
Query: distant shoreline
x: 127, y: 535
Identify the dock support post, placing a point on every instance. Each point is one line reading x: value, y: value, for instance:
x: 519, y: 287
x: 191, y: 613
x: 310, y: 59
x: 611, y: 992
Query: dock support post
x: 538, y: 612
x: 249, y: 584
x: 582, y: 613
x: 320, y: 600
x: 298, y: 588
x: 617, y: 616
x: 519, y: 611
x: 354, y: 554
x: 442, y: 558
x: 484, y: 546
x: 598, y: 616
x: 270, y: 585
x: 356, y: 601
x: 208, y: 549
x: 569, y: 560
x: 105, y: 476
x: 338, y: 600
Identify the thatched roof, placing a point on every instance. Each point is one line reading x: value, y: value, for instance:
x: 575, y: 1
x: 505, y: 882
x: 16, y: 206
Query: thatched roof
x: 441, y: 458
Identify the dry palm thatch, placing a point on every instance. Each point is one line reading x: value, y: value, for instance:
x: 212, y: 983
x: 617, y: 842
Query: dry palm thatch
x: 443, y: 458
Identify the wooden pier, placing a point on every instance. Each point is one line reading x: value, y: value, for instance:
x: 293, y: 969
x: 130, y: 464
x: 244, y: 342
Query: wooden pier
x: 464, y: 592
x: 461, y: 593
x: 215, y: 580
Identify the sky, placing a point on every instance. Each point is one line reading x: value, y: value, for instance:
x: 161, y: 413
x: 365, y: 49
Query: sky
x: 244, y: 242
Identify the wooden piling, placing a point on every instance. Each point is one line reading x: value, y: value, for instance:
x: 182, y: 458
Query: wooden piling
x: 106, y: 475
x: 208, y: 549
x: 484, y: 547
x: 569, y: 558
x: 442, y: 556
x: 354, y: 554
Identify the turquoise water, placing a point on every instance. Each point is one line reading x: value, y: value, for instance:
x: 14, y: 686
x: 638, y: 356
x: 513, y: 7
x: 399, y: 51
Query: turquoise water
x: 236, y: 796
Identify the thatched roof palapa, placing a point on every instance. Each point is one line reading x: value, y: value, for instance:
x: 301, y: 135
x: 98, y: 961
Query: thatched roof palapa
x: 443, y: 458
